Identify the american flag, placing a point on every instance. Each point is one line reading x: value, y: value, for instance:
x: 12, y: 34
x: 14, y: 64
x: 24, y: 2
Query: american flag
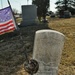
x: 7, y: 23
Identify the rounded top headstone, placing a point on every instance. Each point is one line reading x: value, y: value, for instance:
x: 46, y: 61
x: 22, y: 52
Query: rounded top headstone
x: 50, y: 31
x: 48, y: 47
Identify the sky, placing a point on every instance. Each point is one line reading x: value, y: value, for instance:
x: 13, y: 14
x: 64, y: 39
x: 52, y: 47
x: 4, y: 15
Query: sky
x: 18, y: 3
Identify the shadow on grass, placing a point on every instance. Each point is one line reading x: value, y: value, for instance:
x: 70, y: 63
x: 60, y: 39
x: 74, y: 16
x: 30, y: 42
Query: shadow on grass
x: 15, y: 46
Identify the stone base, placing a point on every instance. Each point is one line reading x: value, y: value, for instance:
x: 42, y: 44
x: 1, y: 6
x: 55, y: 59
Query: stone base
x: 26, y: 23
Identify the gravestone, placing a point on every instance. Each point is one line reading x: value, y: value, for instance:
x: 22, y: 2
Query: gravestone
x: 47, y: 51
x: 67, y: 14
x: 29, y: 14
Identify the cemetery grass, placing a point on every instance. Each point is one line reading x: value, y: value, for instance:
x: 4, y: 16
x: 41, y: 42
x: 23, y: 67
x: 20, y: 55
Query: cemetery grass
x: 67, y: 27
x: 14, y: 46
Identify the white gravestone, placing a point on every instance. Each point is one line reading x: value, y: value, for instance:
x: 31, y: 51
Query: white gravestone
x: 47, y: 51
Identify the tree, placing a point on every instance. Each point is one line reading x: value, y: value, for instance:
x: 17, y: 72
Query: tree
x: 42, y: 8
x: 63, y: 5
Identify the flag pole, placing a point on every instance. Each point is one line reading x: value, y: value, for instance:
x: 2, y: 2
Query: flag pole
x: 12, y: 14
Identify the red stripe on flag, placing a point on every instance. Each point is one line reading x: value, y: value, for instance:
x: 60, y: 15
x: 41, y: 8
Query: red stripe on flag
x: 7, y: 31
x: 7, y: 27
x: 4, y: 24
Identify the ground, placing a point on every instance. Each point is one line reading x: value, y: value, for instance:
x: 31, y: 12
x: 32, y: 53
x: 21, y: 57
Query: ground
x: 67, y: 27
x: 14, y: 47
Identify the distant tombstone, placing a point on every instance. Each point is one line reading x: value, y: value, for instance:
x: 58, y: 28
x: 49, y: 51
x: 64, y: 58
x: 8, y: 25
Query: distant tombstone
x: 67, y: 14
x: 52, y: 15
x: 47, y: 51
x: 29, y: 14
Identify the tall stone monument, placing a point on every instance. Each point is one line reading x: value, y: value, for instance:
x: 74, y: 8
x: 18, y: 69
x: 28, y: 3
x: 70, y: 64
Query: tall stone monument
x: 47, y: 51
x: 29, y: 14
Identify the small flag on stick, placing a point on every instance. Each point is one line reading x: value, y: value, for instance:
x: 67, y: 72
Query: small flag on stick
x: 7, y: 23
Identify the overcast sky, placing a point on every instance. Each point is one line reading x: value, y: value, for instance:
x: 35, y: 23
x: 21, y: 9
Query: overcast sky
x: 17, y: 4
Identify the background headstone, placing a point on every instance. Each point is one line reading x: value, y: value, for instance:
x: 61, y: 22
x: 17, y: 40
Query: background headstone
x: 29, y: 14
x: 47, y: 51
x: 67, y: 14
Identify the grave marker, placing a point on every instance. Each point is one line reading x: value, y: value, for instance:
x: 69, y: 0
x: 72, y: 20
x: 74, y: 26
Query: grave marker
x: 47, y: 51
x: 29, y: 14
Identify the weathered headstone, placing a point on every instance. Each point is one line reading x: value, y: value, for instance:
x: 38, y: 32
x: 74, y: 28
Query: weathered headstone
x: 47, y: 51
x: 67, y: 14
x: 29, y: 14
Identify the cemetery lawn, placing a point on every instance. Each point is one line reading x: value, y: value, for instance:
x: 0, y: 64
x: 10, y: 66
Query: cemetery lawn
x: 67, y: 27
x: 13, y: 47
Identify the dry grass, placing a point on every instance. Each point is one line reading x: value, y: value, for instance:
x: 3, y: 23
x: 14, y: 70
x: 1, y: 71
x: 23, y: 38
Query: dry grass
x: 12, y: 48
x: 67, y: 27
